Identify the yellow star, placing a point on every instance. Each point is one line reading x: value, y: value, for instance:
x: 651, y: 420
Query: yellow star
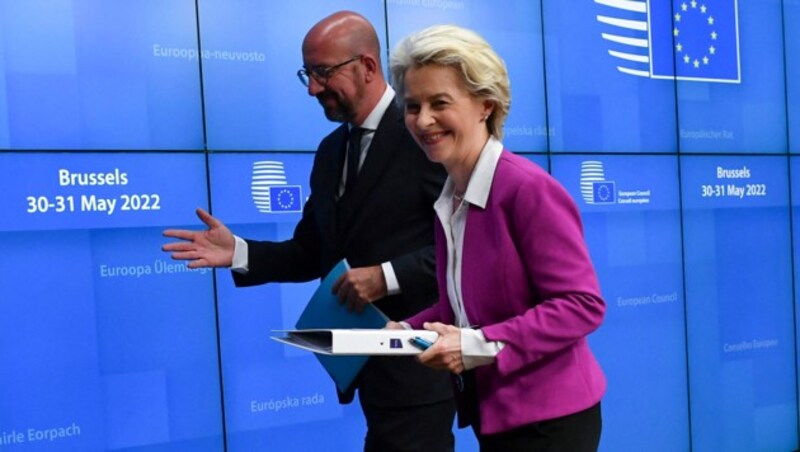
x: 705, y: 60
x: 710, y: 20
x: 679, y: 46
x: 694, y: 3
x: 684, y: 6
x: 712, y: 50
x: 686, y: 58
x: 676, y: 32
x: 703, y: 9
x: 696, y: 63
x: 677, y: 17
x: 714, y: 35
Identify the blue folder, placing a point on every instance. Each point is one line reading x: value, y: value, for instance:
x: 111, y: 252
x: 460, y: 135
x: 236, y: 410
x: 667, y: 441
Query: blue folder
x: 325, y: 311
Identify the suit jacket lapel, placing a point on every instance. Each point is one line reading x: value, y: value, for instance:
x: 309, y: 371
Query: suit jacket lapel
x: 380, y: 153
x: 336, y: 161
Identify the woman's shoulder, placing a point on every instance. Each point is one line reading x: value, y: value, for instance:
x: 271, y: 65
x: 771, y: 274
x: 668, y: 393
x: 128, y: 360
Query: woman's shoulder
x: 520, y: 180
x: 514, y: 170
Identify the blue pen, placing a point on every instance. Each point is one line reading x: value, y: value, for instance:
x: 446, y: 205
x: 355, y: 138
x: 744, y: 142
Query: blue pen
x: 420, y: 343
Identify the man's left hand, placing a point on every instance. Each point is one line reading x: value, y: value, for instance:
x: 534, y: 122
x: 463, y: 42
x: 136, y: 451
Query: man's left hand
x: 360, y: 286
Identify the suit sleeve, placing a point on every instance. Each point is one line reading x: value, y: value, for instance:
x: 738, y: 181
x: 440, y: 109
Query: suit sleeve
x: 431, y: 314
x: 547, y: 231
x: 416, y: 271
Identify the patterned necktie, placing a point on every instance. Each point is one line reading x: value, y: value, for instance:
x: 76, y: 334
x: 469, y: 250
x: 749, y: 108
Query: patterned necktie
x: 353, y: 157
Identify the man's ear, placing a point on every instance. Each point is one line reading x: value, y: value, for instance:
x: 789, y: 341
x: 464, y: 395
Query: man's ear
x: 370, y: 66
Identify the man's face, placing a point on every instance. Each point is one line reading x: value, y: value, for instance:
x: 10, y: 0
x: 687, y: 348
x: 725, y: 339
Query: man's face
x: 336, y: 81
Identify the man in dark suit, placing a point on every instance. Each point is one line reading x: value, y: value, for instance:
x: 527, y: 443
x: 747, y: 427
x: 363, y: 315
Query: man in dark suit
x: 371, y: 202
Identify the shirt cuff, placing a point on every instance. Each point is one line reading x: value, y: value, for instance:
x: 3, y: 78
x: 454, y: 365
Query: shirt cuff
x: 476, y: 350
x: 392, y: 286
x: 240, y: 263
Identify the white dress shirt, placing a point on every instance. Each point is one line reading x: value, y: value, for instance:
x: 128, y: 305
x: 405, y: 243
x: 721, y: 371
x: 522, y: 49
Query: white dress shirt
x: 475, y: 349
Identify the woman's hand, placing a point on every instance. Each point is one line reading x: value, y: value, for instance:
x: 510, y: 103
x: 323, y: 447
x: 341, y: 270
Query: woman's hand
x: 445, y: 353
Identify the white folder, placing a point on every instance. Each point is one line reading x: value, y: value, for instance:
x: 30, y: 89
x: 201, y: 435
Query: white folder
x: 355, y: 341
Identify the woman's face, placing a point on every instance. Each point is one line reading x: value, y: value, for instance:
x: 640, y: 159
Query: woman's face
x: 444, y: 119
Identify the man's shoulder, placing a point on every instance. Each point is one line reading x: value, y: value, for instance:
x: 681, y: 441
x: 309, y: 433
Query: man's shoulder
x: 392, y: 120
x: 335, y: 135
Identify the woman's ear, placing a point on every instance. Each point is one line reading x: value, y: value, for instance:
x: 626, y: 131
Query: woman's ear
x: 488, y: 108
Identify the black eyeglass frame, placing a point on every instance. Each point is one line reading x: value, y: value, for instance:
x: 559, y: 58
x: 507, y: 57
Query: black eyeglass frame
x: 322, y: 73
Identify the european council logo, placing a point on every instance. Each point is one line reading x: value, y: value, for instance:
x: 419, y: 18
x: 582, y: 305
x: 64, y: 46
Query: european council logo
x: 270, y: 192
x: 595, y: 189
x: 696, y: 40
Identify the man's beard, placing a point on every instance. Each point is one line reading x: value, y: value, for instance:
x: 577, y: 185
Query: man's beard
x: 339, y: 112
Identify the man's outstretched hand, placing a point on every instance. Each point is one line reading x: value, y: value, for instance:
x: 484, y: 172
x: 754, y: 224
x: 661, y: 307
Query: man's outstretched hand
x: 212, y: 247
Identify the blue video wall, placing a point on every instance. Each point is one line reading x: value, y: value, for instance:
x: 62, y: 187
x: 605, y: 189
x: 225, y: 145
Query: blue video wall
x: 673, y: 124
x: 739, y: 302
x: 632, y: 225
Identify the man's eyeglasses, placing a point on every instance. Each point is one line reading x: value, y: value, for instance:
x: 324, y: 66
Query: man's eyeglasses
x: 321, y: 73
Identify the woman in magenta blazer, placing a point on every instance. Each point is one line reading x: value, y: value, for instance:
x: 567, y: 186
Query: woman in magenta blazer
x: 518, y: 292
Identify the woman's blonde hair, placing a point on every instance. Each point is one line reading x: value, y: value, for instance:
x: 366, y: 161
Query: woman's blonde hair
x: 483, y: 71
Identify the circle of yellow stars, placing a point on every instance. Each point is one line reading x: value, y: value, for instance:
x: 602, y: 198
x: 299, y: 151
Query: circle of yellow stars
x: 285, y: 198
x: 711, y: 51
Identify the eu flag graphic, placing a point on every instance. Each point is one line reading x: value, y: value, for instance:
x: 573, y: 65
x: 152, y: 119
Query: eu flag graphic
x: 604, y: 193
x: 284, y: 198
x: 695, y: 40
